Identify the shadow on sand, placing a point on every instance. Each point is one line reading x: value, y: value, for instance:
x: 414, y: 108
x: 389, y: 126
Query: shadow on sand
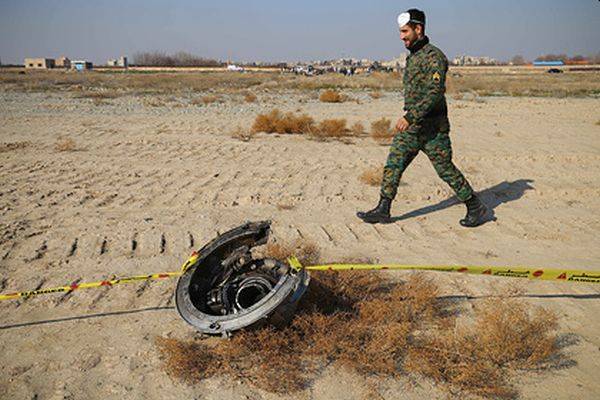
x: 492, y: 197
x: 81, y: 317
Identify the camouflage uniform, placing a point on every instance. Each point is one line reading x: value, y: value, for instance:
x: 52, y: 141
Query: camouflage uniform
x: 427, y: 113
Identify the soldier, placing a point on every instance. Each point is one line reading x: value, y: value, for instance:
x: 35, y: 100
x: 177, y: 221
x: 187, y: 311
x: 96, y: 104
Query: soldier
x: 424, y: 126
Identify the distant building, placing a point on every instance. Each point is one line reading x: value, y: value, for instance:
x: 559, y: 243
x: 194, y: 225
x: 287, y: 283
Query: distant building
x: 63, y: 62
x: 81, y: 65
x: 473, y: 60
x: 39, y: 63
x: 396, y: 63
x: 120, y: 62
x: 233, y: 67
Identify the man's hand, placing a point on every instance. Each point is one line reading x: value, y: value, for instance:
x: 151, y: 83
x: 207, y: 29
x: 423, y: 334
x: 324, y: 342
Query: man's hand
x: 402, y: 125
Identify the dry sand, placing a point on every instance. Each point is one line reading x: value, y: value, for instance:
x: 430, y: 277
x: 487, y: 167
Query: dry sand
x: 169, y: 178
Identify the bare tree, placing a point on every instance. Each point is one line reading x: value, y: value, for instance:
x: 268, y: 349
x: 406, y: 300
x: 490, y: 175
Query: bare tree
x: 180, y: 59
x: 518, y: 60
x: 553, y: 57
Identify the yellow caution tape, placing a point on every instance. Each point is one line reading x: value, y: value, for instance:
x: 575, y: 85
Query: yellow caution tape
x: 294, y: 263
x: 562, y: 275
x: 106, y: 283
x: 190, y: 262
x: 77, y: 286
x: 514, y: 272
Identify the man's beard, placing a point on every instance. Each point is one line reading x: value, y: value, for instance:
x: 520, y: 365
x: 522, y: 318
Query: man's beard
x: 410, y: 42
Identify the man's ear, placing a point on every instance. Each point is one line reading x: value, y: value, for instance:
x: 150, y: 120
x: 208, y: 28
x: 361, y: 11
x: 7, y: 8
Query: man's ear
x: 419, y: 29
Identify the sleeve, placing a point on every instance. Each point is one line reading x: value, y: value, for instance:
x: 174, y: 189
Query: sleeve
x: 431, y: 91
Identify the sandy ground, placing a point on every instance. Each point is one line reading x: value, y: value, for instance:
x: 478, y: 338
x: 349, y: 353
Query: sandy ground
x: 168, y: 178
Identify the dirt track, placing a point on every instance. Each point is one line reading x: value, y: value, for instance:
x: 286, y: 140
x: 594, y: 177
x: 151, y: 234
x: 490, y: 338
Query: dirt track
x: 145, y: 185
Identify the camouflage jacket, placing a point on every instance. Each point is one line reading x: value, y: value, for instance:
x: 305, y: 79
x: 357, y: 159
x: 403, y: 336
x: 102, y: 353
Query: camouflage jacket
x: 425, y: 82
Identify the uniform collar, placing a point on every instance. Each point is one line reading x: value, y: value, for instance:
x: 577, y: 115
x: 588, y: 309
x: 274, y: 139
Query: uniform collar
x: 418, y: 44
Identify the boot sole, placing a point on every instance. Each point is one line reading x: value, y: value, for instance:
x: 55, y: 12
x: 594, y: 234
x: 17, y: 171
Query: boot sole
x: 378, y: 220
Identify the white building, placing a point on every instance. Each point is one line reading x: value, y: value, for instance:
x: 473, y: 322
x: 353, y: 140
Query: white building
x: 473, y: 60
x: 121, y: 62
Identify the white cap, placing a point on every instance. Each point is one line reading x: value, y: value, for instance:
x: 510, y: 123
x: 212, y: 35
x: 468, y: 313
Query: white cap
x: 403, y: 19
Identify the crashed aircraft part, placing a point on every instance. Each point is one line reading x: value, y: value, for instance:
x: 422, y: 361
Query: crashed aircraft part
x: 227, y: 290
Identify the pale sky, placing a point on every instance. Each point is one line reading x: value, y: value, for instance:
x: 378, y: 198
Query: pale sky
x: 269, y: 30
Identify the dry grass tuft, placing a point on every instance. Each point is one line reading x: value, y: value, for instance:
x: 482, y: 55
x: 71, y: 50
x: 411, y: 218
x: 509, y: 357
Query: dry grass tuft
x: 598, y: 122
x: 285, y: 206
x: 378, y: 329
x: 156, y: 102
x: 334, y: 324
x: 331, y: 96
x: 357, y: 129
x: 249, y: 97
x: 376, y: 95
x: 11, y: 146
x: 100, y: 102
x: 242, y: 134
x: 505, y: 337
x: 307, y: 252
x: 520, y: 82
x: 372, y: 176
x: 381, y: 130
x: 277, y: 122
x: 209, y: 99
x: 65, y: 144
x: 97, y: 94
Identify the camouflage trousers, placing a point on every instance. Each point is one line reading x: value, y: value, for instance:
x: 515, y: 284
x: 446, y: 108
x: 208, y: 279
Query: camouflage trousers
x: 433, y: 139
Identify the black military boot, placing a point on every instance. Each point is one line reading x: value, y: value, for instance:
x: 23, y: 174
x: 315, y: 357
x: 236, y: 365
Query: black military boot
x: 380, y: 214
x: 476, y: 212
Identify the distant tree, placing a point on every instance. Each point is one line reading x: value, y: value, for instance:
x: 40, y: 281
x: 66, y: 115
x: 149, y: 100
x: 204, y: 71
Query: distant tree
x: 180, y: 59
x: 578, y: 57
x: 553, y: 57
x: 518, y: 60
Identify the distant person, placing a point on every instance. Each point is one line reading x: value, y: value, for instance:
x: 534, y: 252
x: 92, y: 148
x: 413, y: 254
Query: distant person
x: 424, y: 126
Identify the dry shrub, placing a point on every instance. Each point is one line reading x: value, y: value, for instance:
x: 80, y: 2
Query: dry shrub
x: 506, y: 336
x: 376, y: 95
x: 277, y: 122
x: 249, y: 97
x: 11, y: 146
x: 598, y: 122
x: 372, y: 176
x: 331, y: 96
x: 381, y: 130
x: 331, y: 128
x: 65, y: 144
x: 378, y: 329
x: 357, y: 129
